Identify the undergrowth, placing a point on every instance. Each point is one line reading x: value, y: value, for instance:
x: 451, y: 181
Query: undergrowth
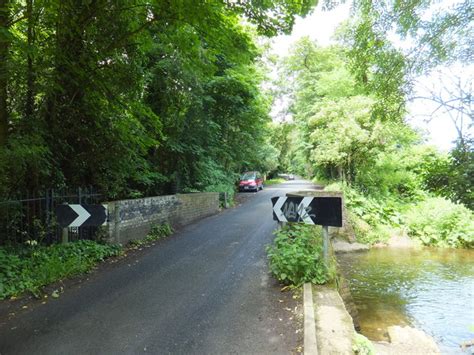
x: 296, y: 256
x: 156, y: 232
x: 28, y: 268
x: 433, y: 221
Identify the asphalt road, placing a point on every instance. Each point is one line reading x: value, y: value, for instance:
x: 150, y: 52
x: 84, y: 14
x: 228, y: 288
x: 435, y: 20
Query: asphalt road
x: 205, y: 290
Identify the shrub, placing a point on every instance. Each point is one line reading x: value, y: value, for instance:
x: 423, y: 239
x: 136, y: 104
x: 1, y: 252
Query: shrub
x: 29, y: 268
x: 374, y: 220
x: 296, y: 255
x: 440, y: 222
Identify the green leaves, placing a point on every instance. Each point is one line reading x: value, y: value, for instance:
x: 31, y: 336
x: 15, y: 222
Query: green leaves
x: 28, y: 269
x: 135, y: 97
x: 296, y: 255
x: 437, y: 221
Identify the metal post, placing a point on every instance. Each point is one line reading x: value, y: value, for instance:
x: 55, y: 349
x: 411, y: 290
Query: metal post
x: 225, y: 200
x: 65, y: 236
x: 326, y: 244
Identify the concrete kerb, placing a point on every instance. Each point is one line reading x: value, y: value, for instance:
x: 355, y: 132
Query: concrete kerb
x: 310, y: 341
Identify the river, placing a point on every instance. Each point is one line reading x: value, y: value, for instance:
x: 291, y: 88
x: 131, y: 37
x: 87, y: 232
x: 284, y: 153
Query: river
x: 430, y: 289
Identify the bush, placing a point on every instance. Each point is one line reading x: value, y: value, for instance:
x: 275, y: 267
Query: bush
x: 374, y: 220
x: 371, y: 234
x: 440, y: 222
x: 296, y: 256
x: 31, y: 267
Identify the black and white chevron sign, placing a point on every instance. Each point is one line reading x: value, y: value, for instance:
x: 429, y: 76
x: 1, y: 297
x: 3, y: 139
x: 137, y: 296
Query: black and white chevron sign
x: 324, y: 211
x: 81, y: 215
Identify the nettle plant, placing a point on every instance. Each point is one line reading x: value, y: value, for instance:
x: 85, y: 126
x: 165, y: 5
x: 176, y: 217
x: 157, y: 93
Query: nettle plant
x: 296, y: 256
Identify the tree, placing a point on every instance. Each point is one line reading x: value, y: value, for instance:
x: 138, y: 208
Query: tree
x: 5, y: 40
x: 134, y: 97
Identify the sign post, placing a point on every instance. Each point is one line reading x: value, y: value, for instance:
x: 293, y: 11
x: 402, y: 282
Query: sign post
x: 326, y: 243
x: 310, y: 209
x: 65, y: 235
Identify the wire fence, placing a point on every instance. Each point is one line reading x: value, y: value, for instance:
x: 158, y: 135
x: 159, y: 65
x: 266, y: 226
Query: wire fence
x: 32, y: 216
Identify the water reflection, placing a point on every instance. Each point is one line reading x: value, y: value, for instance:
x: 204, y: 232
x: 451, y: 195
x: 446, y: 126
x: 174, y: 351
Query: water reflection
x: 431, y: 289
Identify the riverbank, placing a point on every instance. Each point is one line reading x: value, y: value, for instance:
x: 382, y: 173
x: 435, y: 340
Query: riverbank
x: 399, y: 242
x: 334, y: 331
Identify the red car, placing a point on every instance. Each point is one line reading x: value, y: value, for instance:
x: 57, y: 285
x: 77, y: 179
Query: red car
x: 251, y: 181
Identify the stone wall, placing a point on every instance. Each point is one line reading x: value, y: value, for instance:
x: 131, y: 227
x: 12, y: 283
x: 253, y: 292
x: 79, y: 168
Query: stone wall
x: 132, y: 219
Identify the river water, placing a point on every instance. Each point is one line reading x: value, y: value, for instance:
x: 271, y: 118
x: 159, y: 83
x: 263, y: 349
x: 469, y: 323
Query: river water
x: 429, y: 289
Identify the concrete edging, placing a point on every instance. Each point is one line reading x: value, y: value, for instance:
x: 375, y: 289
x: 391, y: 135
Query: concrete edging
x: 310, y: 342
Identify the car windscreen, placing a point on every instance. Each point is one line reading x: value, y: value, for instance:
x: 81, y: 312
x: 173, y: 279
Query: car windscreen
x: 248, y: 176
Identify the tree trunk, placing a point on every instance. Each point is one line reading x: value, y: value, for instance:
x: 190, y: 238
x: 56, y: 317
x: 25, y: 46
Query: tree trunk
x: 4, y: 46
x: 30, y: 75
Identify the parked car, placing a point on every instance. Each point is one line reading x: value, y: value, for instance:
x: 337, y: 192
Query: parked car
x: 291, y: 177
x: 251, y: 181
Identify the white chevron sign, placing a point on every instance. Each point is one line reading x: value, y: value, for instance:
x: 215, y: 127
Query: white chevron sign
x: 76, y: 216
x: 278, y: 211
x: 82, y: 215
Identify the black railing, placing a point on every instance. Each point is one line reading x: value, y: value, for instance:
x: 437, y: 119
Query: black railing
x: 32, y: 216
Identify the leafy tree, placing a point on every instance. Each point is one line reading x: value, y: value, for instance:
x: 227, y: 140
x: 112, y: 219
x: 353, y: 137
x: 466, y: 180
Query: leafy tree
x: 135, y: 97
x: 453, y: 176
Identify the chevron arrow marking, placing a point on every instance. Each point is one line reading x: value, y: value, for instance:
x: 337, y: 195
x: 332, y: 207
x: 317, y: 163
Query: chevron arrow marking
x: 82, y: 215
x: 277, y: 209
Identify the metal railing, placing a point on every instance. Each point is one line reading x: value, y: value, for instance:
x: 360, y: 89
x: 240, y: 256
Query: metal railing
x: 32, y: 216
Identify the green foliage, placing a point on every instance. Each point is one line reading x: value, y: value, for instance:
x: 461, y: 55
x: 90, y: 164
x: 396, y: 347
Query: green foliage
x: 342, y: 126
x: 29, y: 268
x: 399, y: 170
x: 434, y: 221
x: 160, y: 231
x: 280, y: 138
x: 275, y: 181
x: 452, y: 175
x: 437, y: 221
x: 296, y: 256
x: 438, y: 34
x: 374, y: 220
x: 348, y: 107
x: 157, y: 232
x: 362, y: 345
x: 136, y: 97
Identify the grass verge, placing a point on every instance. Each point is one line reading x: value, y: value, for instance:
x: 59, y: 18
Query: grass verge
x: 29, y: 267
x: 275, y: 181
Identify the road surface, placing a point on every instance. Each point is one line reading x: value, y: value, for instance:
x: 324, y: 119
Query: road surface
x: 205, y: 290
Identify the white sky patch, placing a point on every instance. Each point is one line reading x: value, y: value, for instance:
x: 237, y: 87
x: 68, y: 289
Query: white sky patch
x: 447, y: 84
x: 321, y: 25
